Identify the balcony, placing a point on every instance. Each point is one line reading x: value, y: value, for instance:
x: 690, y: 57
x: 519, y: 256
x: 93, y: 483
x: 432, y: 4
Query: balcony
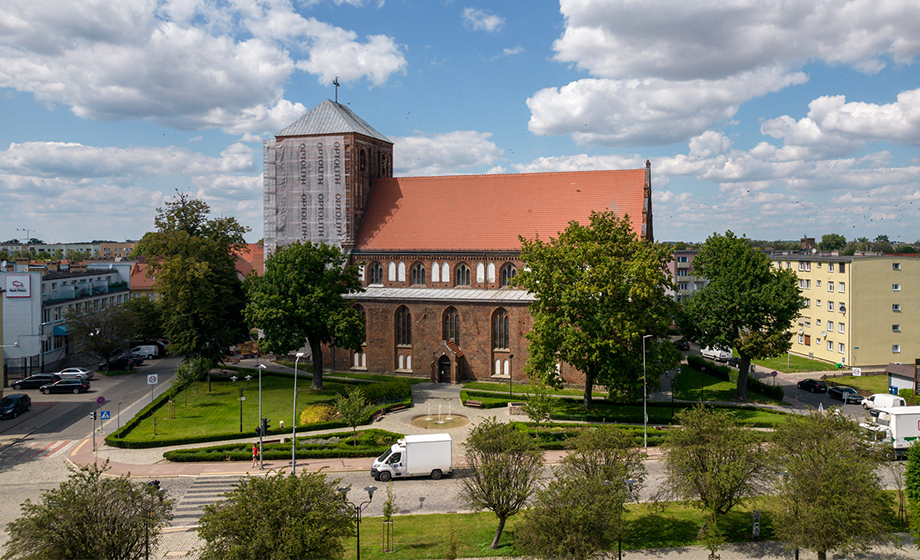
x: 70, y: 293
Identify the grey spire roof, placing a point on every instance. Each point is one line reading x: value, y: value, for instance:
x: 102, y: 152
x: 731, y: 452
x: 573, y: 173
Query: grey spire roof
x: 331, y: 118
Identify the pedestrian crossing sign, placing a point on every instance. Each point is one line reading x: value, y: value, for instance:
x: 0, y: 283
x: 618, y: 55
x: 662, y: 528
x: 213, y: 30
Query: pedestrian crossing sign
x: 105, y: 415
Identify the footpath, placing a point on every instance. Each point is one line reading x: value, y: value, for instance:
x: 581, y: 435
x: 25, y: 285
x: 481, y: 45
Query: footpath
x: 429, y: 399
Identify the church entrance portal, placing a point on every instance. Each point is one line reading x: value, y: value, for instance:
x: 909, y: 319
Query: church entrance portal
x: 444, y: 370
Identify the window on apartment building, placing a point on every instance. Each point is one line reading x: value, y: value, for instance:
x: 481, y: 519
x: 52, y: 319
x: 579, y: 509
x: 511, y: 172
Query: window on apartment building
x: 830, y: 286
x: 842, y: 268
x: 895, y: 287
x: 807, y: 340
x: 830, y: 267
x: 818, y: 284
x: 895, y: 348
x: 842, y: 286
x: 818, y: 302
x: 804, y: 266
x: 804, y: 284
x: 819, y: 265
x: 801, y: 339
x: 807, y: 302
x: 895, y: 328
x: 681, y: 259
x: 830, y: 346
x: 788, y: 264
x: 683, y: 272
x: 57, y: 313
x: 841, y: 348
x: 895, y: 306
x: 841, y: 328
x: 895, y: 266
x: 46, y: 315
x: 682, y: 286
x: 830, y: 326
x: 807, y: 322
x: 830, y: 306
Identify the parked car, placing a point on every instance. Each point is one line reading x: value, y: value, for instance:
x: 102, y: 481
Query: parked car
x: 813, y: 385
x: 717, y: 354
x: 146, y: 351
x: 121, y: 363
x: 682, y: 345
x: 846, y: 394
x: 35, y: 381
x: 66, y: 386
x: 75, y: 372
x: 734, y: 361
x: 13, y: 405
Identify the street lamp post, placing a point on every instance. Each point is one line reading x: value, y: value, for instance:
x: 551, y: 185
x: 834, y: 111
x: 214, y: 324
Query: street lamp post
x: 645, y: 395
x: 294, y: 422
x: 358, y: 509
x: 118, y: 431
x: 261, y: 423
x: 510, y: 373
x: 240, y: 389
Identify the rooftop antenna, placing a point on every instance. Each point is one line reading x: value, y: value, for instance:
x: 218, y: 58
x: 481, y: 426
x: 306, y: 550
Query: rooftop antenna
x: 335, y: 82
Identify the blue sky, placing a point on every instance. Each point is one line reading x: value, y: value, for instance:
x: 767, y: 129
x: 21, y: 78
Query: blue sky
x: 772, y: 119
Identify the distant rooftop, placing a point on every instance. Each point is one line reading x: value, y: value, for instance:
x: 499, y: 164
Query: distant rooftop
x: 330, y: 117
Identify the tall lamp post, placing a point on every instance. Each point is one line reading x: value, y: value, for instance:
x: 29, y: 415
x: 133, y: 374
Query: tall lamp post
x: 358, y: 509
x: 629, y: 487
x: 13, y: 345
x: 262, y: 425
x: 645, y: 395
x: 239, y: 388
x: 294, y: 422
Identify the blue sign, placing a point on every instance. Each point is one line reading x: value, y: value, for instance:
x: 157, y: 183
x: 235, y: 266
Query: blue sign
x: 105, y: 415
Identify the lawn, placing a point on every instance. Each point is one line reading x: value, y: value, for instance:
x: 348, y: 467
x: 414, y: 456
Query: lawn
x: 690, y: 382
x: 198, y: 412
x: 674, y: 524
x: 867, y: 385
x: 794, y: 364
x: 526, y: 388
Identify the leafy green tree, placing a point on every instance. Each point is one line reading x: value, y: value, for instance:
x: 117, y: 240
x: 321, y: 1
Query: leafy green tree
x: 148, y: 318
x: 300, y: 299
x: 832, y: 242
x: 104, y: 331
x: 505, y: 466
x: 607, y: 453
x: 193, y: 260
x: 912, y: 489
x: 830, y: 494
x: 747, y: 305
x: 539, y: 404
x: 353, y: 409
x: 280, y: 517
x: 713, y: 460
x: 882, y: 244
x: 90, y: 516
x: 599, y: 289
x: 190, y: 371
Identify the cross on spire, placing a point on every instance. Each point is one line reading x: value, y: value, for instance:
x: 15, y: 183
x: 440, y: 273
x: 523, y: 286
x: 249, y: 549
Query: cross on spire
x: 335, y: 82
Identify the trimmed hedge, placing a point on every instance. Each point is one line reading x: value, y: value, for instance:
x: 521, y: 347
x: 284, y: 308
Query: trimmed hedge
x: 558, y: 436
x: 371, y: 443
x: 726, y: 373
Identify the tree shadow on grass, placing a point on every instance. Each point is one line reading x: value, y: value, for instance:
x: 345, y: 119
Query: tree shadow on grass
x: 652, y: 530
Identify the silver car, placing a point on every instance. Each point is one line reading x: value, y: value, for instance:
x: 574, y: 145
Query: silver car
x: 75, y: 373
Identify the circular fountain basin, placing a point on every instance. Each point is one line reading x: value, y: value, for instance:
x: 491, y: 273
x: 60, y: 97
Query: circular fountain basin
x: 442, y: 422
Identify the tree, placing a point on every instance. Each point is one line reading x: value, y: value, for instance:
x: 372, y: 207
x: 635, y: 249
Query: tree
x: 747, y: 305
x: 832, y: 242
x: 830, y: 494
x: 505, y: 466
x: 191, y: 370
x: 300, y: 298
x: 193, y: 260
x: 148, y: 318
x: 581, y: 511
x: 104, y: 331
x: 882, y: 244
x: 353, y: 409
x: 711, y: 459
x: 912, y: 483
x: 278, y: 516
x: 539, y: 405
x: 90, y: 516
x: 599, y: 289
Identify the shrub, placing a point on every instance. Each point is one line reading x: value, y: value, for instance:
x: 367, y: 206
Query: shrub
x: 317, y: 413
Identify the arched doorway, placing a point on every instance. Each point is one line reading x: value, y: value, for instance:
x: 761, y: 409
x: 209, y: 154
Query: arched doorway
x: 444, y: 370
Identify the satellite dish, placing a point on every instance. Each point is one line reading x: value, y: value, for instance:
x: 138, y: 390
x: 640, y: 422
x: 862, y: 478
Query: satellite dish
x: 824, y: 334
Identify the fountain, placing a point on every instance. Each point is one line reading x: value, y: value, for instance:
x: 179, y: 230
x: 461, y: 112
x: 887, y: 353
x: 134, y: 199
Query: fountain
x: 440, y: 422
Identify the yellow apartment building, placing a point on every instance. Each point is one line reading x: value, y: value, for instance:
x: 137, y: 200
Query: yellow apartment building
x: 862, y: 310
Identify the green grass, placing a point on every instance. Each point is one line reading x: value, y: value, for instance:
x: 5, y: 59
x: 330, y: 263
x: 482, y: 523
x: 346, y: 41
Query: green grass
x: 797, y: 364
x: 307, y: 371
x: 867, y: 385
x: 519, y: 389
x: 690, y: 382
x: 675, y: 524
x: 206, y: 413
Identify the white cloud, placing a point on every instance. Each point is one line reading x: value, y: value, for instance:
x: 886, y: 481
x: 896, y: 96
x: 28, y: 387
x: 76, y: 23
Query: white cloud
x: 580, y: 162
x: 649, y: 111
x: 480, y: 20
x: 189, y: 65
x: 442, y: 154
x: 713, y: 39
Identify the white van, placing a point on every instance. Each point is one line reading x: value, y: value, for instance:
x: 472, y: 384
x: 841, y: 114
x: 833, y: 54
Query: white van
x: 148, y: 352
x: 883, y: 400
x: 716, y: 354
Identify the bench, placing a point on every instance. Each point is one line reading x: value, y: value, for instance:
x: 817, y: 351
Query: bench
x: 474, y: 404
x: 400, y: 406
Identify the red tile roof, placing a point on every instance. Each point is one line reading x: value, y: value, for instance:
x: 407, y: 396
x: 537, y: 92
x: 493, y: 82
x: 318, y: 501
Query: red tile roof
x: 488, y: 212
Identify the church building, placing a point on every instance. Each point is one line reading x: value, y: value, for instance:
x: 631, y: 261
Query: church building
x: 437, y: 254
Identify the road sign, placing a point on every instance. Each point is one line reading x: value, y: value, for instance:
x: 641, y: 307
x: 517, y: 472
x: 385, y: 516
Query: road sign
x: 152, y: 380
x: 857, y: 372
x: 100, y: 400
x: 774, y: 373
x: 105, y: 415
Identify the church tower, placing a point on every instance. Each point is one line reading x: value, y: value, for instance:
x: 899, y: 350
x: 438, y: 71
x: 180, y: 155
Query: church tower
x: 317, y: 177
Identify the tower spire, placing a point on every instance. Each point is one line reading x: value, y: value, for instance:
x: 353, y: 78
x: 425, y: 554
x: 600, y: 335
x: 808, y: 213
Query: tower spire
x: 335, y: 82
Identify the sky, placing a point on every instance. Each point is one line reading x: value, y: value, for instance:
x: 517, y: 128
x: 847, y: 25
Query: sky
x: 770, y: 118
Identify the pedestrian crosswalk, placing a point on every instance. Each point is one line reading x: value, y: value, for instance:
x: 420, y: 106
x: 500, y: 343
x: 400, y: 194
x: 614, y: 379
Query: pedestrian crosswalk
x: 205, y: 490
x: 34, y: 450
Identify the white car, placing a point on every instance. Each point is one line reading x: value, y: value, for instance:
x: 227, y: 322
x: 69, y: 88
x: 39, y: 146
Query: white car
x: 75, y: 372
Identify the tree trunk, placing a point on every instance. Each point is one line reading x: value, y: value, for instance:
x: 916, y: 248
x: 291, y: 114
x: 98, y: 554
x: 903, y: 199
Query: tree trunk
x: 317, y: 350
x: 498, y: 533
x: 743, y: 368
x: 589, y: 388
x: 822, y: 555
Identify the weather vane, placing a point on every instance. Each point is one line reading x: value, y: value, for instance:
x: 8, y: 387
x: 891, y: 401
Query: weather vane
x: 335, y: 82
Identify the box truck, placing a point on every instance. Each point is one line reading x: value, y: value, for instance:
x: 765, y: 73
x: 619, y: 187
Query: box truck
x: 417, y: 455
x: 899, y: 425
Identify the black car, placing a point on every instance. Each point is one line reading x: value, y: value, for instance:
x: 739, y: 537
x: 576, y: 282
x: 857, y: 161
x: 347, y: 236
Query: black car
x: 67, y: 386
x: 682, y: 345
x: 846, y: 394
x: 13, y: 405
x: 35, y: 381
x: 734, y: 361
x: 121, y: 363
x: 813, y: 385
